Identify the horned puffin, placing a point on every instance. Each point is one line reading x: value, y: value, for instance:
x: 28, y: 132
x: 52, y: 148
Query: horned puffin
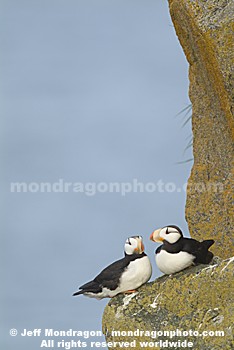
x: 122, y: 276
x: 177, y: 252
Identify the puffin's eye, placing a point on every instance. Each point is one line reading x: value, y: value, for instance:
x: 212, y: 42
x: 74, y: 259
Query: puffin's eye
x: 129, y: 242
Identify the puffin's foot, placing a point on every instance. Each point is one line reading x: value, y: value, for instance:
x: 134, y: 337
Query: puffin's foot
x: 130, y: 291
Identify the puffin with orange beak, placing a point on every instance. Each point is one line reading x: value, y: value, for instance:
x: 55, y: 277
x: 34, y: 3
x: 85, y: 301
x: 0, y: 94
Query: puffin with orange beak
x: 177, y: 252
x: 122, y: 276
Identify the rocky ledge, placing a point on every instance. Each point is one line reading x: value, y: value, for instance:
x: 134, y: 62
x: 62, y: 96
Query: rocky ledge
x: 197, y: 299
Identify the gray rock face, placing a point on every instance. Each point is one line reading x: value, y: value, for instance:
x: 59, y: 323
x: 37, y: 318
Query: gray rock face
x: 205, y: 30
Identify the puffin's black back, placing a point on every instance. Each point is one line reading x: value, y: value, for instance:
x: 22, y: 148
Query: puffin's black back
x: 198, y: 249
x: 110, y: 276
x: 203, y: 256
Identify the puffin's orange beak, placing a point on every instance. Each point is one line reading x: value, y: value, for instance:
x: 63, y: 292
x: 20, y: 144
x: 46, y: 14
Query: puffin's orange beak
x: 140, y: 248
x: 155, y: 236
x: 152, y: 236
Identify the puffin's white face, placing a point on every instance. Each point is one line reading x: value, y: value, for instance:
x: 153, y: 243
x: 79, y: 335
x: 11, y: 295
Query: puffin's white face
x: 171, y: 234
x: 134, y: 245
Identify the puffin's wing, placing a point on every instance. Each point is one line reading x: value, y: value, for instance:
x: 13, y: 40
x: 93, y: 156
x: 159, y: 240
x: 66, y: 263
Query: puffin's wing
x: 109, y: 277
x: 199, y: 249
x: 91, y: 286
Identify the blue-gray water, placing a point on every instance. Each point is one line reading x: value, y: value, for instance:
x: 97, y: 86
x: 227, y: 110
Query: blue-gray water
x: 89, y: 93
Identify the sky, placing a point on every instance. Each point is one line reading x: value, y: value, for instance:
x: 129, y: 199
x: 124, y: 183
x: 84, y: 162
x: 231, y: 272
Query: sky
x: 90, y: 92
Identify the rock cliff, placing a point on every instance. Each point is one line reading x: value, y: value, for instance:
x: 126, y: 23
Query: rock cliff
x: 205, y: 30
x: 199, y: 298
